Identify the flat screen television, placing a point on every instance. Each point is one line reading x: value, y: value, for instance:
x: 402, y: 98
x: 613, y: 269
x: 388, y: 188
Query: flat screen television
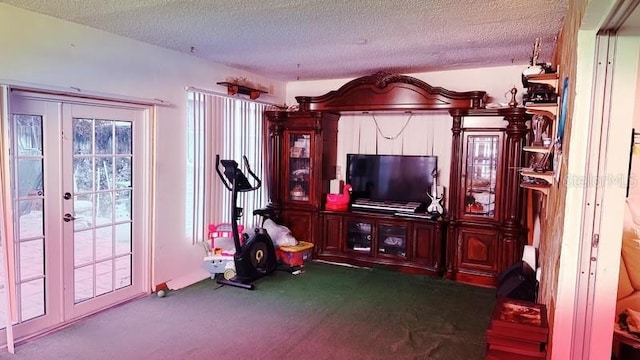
x: 398, y: 178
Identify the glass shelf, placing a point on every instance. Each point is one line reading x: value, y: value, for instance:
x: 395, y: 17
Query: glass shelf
x: 299, y: 167
x: 481, y: 175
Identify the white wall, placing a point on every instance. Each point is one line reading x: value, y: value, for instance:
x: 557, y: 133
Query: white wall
x: 44, y: 50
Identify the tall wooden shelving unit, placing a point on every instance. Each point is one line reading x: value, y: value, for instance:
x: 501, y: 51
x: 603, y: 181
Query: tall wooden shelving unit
x: 550, y: 111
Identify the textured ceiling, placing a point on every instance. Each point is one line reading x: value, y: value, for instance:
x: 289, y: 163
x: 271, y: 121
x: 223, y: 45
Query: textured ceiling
x: 324, y: 39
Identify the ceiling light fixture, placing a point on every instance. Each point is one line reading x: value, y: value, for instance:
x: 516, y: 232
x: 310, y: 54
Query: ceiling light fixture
x: 360, y: 41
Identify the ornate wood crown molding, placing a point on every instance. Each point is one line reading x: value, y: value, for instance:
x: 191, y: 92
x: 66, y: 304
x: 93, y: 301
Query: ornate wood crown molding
x: 384, y: 91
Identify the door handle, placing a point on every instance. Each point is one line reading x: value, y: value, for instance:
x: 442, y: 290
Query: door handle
x: 68, y: 217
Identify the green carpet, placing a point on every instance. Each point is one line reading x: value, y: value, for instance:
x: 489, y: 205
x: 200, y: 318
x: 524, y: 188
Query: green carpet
x: 328, y: 312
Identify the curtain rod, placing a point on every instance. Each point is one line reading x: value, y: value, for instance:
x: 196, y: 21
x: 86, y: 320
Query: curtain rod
x: 78, y: 92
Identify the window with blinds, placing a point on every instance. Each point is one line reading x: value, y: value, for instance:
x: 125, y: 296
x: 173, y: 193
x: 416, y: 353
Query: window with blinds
x: 231, y: 128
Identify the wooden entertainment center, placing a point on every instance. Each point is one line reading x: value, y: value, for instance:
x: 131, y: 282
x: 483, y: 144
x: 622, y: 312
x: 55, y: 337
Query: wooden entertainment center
x: 482, y: 231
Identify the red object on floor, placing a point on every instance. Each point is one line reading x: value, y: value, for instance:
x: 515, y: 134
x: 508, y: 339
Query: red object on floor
x: 295, y: 255
x: 162, y: 286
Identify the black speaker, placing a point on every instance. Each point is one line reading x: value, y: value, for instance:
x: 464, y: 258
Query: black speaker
x: 518, y: 282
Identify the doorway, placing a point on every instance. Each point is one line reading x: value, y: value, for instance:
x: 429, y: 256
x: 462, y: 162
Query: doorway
x: 78, y: 179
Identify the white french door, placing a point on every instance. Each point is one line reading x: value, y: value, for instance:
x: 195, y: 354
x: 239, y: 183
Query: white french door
x: 78, y: 179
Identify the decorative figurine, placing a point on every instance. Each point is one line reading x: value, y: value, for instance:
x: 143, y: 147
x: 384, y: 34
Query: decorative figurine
x: 435, y: 208
x: 513, y: 102
x: 538, y: 125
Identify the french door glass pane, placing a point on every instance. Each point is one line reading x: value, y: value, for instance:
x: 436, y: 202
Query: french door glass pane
x: 104, y: 136
x: 32, y: 219
x: 123, y: 138
x: 123, y: 271
x: 103, y: 183
x: 104, y: 277
x: 28, y: 169
x: 82, y: 174
x: 104, y: 243
x: 123, y: 239
x: 30, y: 174
x: 31, y: 262
x: 83, y: 283
x: 82, y: 247
x: 123, y: 205
x: 83, y: 210
x: 104, y: 208
x: 31, y: 299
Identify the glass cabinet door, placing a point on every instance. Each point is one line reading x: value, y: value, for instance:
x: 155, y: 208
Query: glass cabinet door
x: 359, y: 235
x: 481, y: 175
x: 299, y: 185
x: 392, y: 240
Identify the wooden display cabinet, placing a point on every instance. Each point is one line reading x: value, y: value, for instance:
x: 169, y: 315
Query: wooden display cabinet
x: 301, y: 159
x: 484, y: 223
x: 486, y: 233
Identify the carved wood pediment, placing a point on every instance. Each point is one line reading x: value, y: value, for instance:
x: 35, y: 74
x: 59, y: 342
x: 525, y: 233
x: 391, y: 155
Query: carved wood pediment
x: 384, y: 91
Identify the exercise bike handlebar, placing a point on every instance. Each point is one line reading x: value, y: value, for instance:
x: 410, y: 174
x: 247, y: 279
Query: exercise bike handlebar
x: 253, y: 175
x: 235, y: 177
x: 220, y: 174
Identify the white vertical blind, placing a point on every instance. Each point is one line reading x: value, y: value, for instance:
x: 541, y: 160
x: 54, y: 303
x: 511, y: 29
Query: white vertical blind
x: 231, y: 128
x: 195, y: 166
x: 242, y: 136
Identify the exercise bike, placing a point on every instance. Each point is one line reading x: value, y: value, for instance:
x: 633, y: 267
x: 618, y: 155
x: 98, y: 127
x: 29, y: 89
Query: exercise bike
x: 255, y: 257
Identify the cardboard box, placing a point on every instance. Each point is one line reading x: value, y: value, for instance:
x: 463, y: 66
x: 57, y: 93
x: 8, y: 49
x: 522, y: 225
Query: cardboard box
x: 295, y: 255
